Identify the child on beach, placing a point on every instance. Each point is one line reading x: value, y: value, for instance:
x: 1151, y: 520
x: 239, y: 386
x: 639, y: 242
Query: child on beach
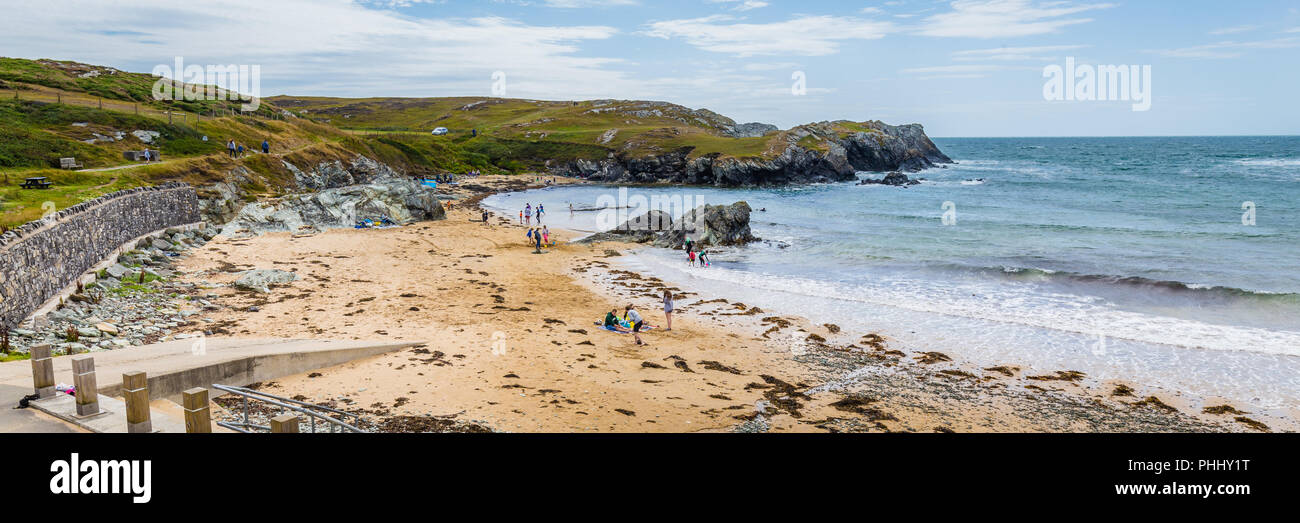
x: 546, y: 235
x: 668, y: 309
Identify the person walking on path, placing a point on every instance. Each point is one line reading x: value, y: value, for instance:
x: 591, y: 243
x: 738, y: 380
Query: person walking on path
x: 266, y: 146
x: 230, y: 148
x: 668, y: 309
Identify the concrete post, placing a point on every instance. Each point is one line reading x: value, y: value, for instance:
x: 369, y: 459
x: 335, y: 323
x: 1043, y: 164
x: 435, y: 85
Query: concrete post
x: 284, y: 423
x: 198, y: 417
x: 83, y: 378
x: 135, y: 388
x: 42, y: 371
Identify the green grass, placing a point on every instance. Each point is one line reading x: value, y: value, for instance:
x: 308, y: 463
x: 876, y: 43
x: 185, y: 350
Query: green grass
x: 37, y: 134
x: 4, y: 358
x: 107, y: 83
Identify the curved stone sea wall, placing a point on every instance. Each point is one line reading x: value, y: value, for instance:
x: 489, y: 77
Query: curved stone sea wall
x: 43, y: 257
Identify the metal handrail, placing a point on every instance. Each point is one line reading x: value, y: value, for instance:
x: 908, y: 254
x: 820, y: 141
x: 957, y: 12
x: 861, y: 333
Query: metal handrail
x: 302, y: 407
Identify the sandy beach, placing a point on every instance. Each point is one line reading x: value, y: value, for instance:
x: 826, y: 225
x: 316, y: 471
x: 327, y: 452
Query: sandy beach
x: 510, y: 344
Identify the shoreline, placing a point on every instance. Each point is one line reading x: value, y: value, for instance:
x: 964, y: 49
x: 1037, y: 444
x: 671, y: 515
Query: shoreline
x: 722, y: 368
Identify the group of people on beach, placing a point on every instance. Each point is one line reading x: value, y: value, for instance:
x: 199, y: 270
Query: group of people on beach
x: 692, y: 257
x: 526, y: 216
x: 539, y: 237
x: 237, y: 149
x: 635, y: 323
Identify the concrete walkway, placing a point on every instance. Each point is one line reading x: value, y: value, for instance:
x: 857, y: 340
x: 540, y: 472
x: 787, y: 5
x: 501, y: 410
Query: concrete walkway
x: 178, y: 365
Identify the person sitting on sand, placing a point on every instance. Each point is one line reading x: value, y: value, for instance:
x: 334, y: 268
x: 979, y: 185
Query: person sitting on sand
x: 611, y: 321
x: 634, y: 318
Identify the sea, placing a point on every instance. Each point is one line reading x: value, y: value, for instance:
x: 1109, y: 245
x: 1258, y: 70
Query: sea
x: 1172, y: 263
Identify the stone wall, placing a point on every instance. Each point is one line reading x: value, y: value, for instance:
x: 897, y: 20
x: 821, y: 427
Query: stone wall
x: 41, y: 258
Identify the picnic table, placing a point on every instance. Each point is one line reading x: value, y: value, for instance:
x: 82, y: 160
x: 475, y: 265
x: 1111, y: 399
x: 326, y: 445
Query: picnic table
x: 37, y: 182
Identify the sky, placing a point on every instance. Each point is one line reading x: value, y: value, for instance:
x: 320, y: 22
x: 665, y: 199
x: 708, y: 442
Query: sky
x: 959, y: 67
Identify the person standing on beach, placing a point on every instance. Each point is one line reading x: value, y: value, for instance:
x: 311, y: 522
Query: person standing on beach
x: 570, y: 209
x: 546, y: 235
x: 528, y: 214
x: 537, y: 237
x: 521, y: 217
x: 668, y: 309
x: 634, y: 318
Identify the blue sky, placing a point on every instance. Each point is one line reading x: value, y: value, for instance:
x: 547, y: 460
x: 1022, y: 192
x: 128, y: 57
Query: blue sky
x: 960, y: 67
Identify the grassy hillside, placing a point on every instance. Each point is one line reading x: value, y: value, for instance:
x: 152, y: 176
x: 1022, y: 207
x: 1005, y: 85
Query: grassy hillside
x: 631, y: 128
x: 54, y: 109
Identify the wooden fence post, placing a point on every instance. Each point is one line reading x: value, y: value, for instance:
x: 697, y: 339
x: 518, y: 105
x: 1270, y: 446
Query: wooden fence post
x: 42, y: 371
x: 83, y: 378
x: 135, y: 389
x: 198, y: 416
x: 284, y: 423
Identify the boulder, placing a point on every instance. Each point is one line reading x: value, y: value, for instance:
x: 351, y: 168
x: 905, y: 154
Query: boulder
x: 641, y: 229
x: 710, y: 225
x: 116, y: 270
x: 260, y: 280
x: 107, y: 328
x: 896, y: 179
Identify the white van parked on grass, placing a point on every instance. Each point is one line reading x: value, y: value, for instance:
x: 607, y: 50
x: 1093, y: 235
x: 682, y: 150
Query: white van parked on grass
x: 440, y: 131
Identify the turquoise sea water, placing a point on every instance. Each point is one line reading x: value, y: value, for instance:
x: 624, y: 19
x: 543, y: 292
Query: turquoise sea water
x: 1124, y: 258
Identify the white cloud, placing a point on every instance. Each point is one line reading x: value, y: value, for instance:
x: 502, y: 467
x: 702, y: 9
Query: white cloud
x: 805, y: 35
x: 1005, y: 18
x: 323, y: 46
x: 1228, y: 49
x: 742, y: 5
x: 958, y: 69
x: 587, y: 3
x: 1016, y: 54
x: 1234, y: 30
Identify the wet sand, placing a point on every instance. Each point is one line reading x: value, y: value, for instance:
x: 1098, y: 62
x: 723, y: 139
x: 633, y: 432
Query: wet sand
x: 510, y: 345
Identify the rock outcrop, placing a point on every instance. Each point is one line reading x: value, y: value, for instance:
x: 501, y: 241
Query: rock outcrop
x: 641, y: 229
x: 706, y: 225
x: 877, y: 148
x: 400, y: 200
x: 896, y: 179
x: 341, y: 194
x: 710, y: 225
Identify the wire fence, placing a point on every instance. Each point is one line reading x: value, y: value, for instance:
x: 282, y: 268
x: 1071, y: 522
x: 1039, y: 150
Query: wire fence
x: 171, y: 116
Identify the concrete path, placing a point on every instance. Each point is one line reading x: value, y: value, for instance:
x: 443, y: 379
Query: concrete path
x: 179, y: 365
